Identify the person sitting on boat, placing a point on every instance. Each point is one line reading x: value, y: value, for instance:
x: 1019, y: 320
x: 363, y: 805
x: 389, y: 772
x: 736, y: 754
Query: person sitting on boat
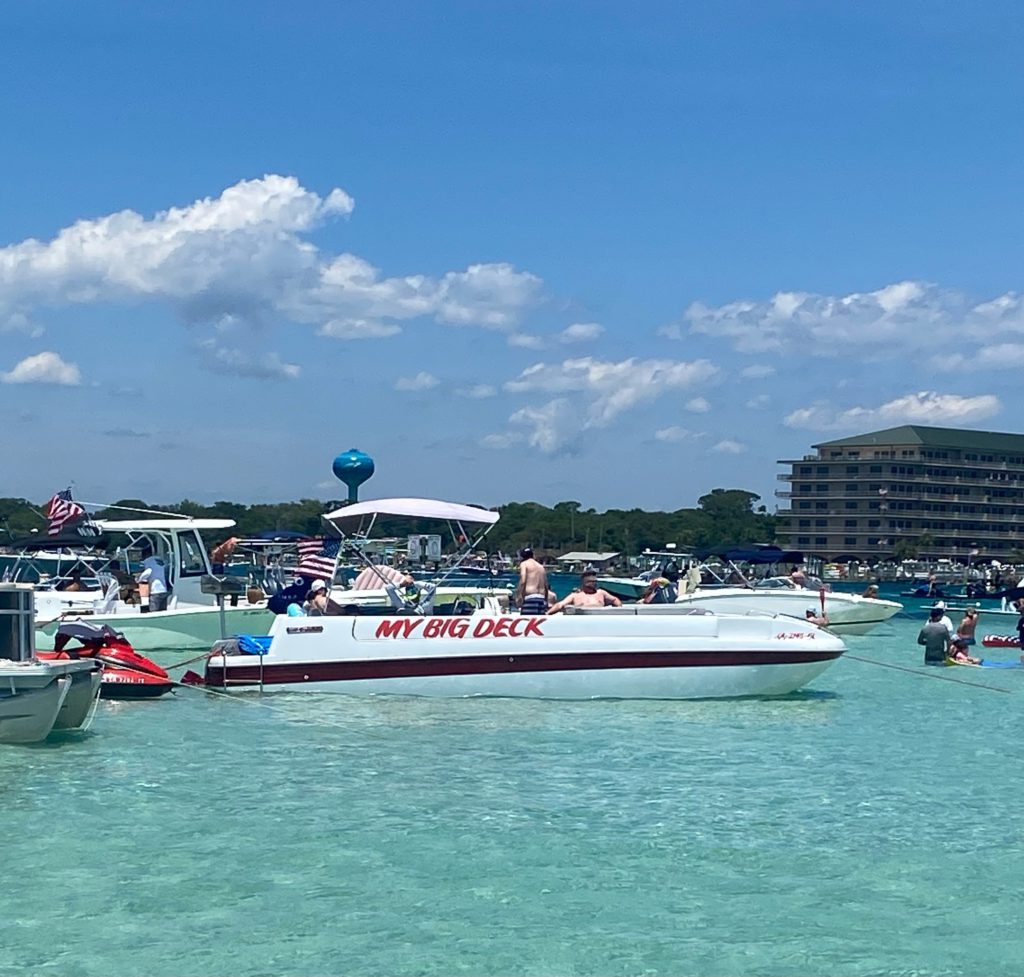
x: 589, y: 595
x: 871, y: 592
x: 663, y: 589
x: 798, y: 576
x: 375, y: 577
x: 221, y: 553
x: 967, y: 626
x: 74, y: 584
x: 814, y: 617
x: 935, y: 637
x: 958, y: 652
x: 317, y: 600
x: 532, y: 591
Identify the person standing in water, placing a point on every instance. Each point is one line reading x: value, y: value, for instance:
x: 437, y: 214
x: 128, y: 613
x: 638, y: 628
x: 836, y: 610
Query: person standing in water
x: 935, y: 637
x: 968, y: 626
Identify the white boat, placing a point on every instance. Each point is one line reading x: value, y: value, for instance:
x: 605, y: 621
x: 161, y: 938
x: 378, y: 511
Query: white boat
x: 847, y: 613
x: 196, y: 616
x: 486, y: 650
x: 70, y: 575
x: 37, y: 698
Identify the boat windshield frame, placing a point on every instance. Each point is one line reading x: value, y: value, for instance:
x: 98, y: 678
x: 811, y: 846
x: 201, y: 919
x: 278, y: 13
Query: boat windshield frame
x: 456, y: 516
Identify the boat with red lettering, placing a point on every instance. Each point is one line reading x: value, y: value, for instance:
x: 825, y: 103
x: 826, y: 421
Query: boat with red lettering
x: 479, y: 647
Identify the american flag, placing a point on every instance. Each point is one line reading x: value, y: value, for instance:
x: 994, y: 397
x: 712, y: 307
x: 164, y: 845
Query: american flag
x: 61, y: 510
x: 317, y: 556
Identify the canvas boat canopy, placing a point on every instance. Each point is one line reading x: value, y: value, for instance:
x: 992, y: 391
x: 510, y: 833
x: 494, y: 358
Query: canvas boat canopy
x: 586, y: 557
x: 65, y: 541
x: 416, y: 508
x: 753, y: 554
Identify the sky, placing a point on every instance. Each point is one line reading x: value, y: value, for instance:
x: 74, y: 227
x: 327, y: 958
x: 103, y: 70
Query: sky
x: 616, y: 253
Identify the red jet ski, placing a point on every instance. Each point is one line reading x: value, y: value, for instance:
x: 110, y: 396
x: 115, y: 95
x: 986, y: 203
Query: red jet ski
x: 126, y: 674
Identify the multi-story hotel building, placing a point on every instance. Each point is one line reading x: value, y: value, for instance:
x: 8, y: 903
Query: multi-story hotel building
x: 948, y: 491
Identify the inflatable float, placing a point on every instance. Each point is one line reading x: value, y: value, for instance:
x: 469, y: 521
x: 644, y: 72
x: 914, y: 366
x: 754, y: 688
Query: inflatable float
x: 1001, y: 641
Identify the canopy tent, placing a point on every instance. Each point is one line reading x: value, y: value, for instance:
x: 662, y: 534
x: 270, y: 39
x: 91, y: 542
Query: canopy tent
x: 418, y: 509
x: 587, y: 557
x: 754, y: 554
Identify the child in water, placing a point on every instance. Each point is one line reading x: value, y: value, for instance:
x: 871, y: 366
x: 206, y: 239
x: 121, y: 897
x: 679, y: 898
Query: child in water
x: 958, y: 652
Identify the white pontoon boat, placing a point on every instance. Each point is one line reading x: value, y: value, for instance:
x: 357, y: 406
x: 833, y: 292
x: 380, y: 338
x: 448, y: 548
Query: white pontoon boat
x: 480, y: 648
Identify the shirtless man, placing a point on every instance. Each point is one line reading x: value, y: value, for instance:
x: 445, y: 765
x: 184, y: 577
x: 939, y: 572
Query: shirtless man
x: 589, y: 595
x: 532, y: 592
x: 968, y: 626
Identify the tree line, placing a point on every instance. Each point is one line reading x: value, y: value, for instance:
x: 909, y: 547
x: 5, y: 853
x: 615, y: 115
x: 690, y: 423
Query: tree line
x: 722, y: 516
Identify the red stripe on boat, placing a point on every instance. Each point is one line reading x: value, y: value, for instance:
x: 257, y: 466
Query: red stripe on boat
x: 351, y: 671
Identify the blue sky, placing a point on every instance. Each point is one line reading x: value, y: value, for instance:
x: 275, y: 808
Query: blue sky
x: 619, y: 253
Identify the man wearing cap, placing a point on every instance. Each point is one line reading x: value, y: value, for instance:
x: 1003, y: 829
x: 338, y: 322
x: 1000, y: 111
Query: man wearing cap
x: 317, y: 600
x: 944, y: 619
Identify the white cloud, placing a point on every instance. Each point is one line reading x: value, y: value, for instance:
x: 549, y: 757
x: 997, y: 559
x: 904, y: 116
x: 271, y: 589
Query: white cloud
x: 422, y: 381
x: 612, y: 387
x: 675, y: 434
x: 757, y: 371
x: 926, y: 407
x: 524, y: 340
x: 19, y: 322
x: 47, y: 368
x: 241, y: 363
x: 581, y: 332
x: 479, y: 391
x: 998, y: 356
x: 698, y: 405
x: 501, y: 441
x: 760, y: 402
x: 590, y: 393
x: 244, y: 257
x: 905, y: 316
x: 553, y: 426
x: 728, y: 447
x: 358, y: 329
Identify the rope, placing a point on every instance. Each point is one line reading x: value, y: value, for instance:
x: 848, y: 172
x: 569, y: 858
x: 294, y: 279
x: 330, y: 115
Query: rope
x: 94, y: 708
x: 209, y: 690
x: 920, y: 674
x: 189, y: 661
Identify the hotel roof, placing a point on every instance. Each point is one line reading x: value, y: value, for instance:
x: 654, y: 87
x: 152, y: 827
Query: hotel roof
x: 933, y: 437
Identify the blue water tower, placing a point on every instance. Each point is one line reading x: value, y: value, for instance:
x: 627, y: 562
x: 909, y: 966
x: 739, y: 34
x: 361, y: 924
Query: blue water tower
x: 353, y: 467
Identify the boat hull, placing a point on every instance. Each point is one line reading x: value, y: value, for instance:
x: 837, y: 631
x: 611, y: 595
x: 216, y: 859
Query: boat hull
x: 625, y: 588
x: 39, y: 698
x: 847, y: 613
x: 571, y: 657
x: 180, y: 629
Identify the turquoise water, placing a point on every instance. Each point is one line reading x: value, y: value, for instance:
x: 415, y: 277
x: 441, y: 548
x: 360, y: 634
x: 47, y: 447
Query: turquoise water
x: 868, y: 825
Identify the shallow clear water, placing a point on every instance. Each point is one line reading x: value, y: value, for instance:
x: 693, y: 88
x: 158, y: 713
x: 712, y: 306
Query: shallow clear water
x: 868, y: 825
